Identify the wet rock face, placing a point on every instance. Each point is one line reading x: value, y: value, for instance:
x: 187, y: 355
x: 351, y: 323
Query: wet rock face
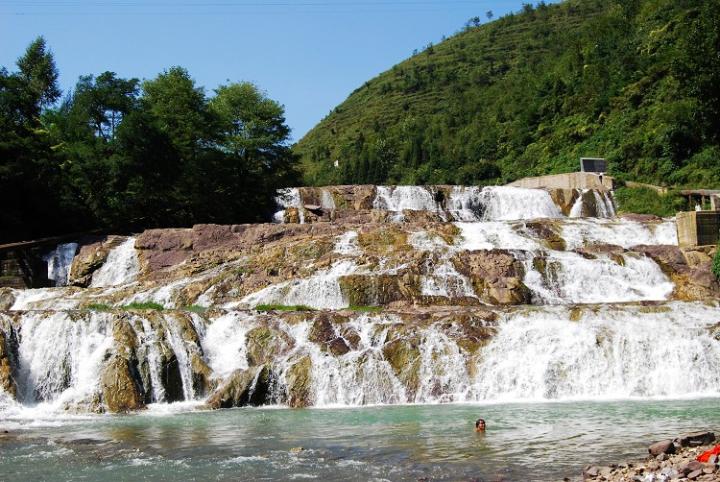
x: 496, y: 276
x: 90, y: 258
x: 8, y: 353
x: 299, y: 379
x: 244, y: 387
x: 120, y: 389
x: 324, y: 333
x: 7, y: 298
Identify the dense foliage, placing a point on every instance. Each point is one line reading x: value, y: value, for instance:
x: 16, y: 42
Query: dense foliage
x: 122, y: 154
x: 635, y: 81
x: 648, y: 201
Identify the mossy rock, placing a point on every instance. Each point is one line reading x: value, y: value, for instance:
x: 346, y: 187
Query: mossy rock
x: 121, y: 389
x: 403, y: 355
x: 299, y: 383
x: 384, y: 240
x: 265, y: 344
x: 244, y: 387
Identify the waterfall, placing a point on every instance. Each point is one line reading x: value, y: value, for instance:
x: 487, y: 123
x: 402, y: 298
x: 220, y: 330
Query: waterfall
x: 288, y: 198
x: 400, y: 198
x: 571, y: 278
x: 347, y: 244
x: 501, y: 203
x: 608, y: 353
x: 121, y: 267
x: 320, y: 291
x: 59, y: 261
x: 582, y: 232
x: 326, y: 200
x: 604, y: 205
x: 60, y: 357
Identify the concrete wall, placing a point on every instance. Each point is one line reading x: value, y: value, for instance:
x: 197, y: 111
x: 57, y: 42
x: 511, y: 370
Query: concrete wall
x: 698, y: 228
x: 573, y: 180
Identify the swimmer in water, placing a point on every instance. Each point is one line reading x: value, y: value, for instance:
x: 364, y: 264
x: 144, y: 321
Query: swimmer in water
x: 479, y: 425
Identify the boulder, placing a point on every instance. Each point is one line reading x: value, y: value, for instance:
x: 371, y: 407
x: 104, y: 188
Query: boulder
x: 299, y: 383
x: 377, y: 290
x: 663, y: 447
x: 8, y: 352
x: 121, y: 391
x: 244, y: 387
x: 402, y: 352
x: 548, y: 232
x: 496, y: 276
x: 696, y: 439
x: 323, y: 333
x: 264, y: 344
x: 7, y: 298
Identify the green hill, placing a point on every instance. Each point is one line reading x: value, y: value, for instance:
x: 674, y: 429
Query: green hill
x: 637, y: 82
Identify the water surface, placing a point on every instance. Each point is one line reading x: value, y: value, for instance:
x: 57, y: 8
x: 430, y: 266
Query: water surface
x: 523, y: 441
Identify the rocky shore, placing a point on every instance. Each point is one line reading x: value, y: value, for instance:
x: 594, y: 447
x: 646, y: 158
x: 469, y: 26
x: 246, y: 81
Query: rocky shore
x: 668, y: 460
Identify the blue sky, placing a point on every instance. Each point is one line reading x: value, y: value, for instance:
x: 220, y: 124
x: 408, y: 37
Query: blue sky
x: 307, y: 54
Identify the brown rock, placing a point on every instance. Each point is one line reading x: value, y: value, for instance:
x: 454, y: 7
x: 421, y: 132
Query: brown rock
x: 323, y: 333
x: 90, y: 258
x: 696, y: 439
x: 120, y: 390
x: 663, y: 447
x: 299, y: 380
x: 496, y: 276
x: 8, y: 347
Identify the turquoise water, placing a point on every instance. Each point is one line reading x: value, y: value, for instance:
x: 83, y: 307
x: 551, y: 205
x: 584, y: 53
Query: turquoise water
x: 523, y: 442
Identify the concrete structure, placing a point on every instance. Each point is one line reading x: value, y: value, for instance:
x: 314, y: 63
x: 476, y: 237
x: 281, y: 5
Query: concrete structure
x: 641, y: 185
x: 702, y: 197
x: 573, y: 180
x: 593, y: 164
x: 698, y: 228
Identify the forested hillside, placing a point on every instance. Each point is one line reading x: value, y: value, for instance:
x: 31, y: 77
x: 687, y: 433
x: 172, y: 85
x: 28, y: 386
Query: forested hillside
x: 121, y: 154
x: 636, y: 81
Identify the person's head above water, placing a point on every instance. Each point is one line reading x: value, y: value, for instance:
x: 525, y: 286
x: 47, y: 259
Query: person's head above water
x: 479, y: 425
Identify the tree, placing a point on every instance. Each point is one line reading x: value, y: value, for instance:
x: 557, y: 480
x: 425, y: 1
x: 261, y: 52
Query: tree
x: 37, y: 78
x: 489, y: 14
x: 179, y: 107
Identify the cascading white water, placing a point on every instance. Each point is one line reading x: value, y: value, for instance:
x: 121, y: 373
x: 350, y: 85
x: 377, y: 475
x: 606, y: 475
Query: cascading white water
x: 400, y: 198
x: 496, y: 235
x: 320, y: 291
x: 121, y: 267
x: 347, y: 244
x: 609, y: 353
x: 571, y: 278
x: 59, y: 261
x: 288, y: 198
x: 326, y: 200
x: 582, y: 232
x: 360, y: 377
x: 501, y: 203
x: 60, y: 358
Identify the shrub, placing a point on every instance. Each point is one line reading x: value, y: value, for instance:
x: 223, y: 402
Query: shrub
x: 367, y: 309
x: 283, y: 308
x: 647, y: 201
x: 143, y: 305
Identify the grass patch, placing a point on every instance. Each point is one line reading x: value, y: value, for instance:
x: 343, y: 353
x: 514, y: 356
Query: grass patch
x: 283, y: 308
x: 143, y: 305
x: 195, y: 309
x: 648, y: 201
x: 716, y: 263
x: 366, y: 309
x: 98, y: 307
